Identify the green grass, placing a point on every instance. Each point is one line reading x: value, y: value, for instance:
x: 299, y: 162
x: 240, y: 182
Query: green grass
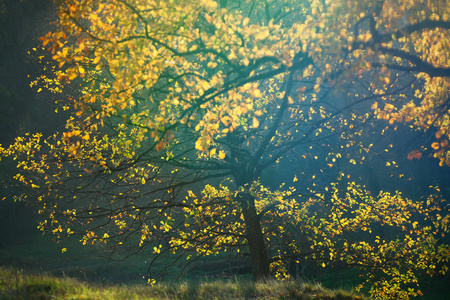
x: 39, y: 254
x: 83, y: 262
x: 81, y: 274
x: 16, y: 284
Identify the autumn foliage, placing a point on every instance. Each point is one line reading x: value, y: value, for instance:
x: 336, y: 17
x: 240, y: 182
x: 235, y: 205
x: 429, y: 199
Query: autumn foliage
x: 179, y: 107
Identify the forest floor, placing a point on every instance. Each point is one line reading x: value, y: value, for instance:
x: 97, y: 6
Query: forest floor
x: 37, y: 268
x: 16, y: 284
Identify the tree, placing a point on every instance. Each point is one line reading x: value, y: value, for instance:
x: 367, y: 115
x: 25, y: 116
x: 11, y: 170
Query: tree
x: 179, y: 107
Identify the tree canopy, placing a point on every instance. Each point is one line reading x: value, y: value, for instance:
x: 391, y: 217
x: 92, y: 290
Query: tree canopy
x: 180, y: 107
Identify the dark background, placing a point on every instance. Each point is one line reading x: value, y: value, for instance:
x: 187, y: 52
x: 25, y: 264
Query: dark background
x: 21, y: 24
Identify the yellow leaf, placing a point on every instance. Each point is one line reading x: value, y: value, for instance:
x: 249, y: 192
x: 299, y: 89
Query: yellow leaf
x: 199, y: 145
x: 63, y: 250
x: 255, y: 123
x: 72, y: 75
x: 435, y: 146
x: 212, y: 65
x: 208, y: 18
x: 222, y: 154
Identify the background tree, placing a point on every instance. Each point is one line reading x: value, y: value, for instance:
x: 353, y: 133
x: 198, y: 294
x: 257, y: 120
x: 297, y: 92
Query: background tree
x: 21, y: 24
x: 170, y: 96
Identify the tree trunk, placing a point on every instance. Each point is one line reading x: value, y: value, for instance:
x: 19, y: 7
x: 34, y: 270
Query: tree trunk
x: 255, y: 238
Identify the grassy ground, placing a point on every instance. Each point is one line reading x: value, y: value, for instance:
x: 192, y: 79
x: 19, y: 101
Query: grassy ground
x: 81, y: 274
x: 41, y: 271
x: 15, y: 284
x: 85, y: 263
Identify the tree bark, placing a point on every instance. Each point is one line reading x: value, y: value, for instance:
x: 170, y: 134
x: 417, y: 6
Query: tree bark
x: 255, y: 238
